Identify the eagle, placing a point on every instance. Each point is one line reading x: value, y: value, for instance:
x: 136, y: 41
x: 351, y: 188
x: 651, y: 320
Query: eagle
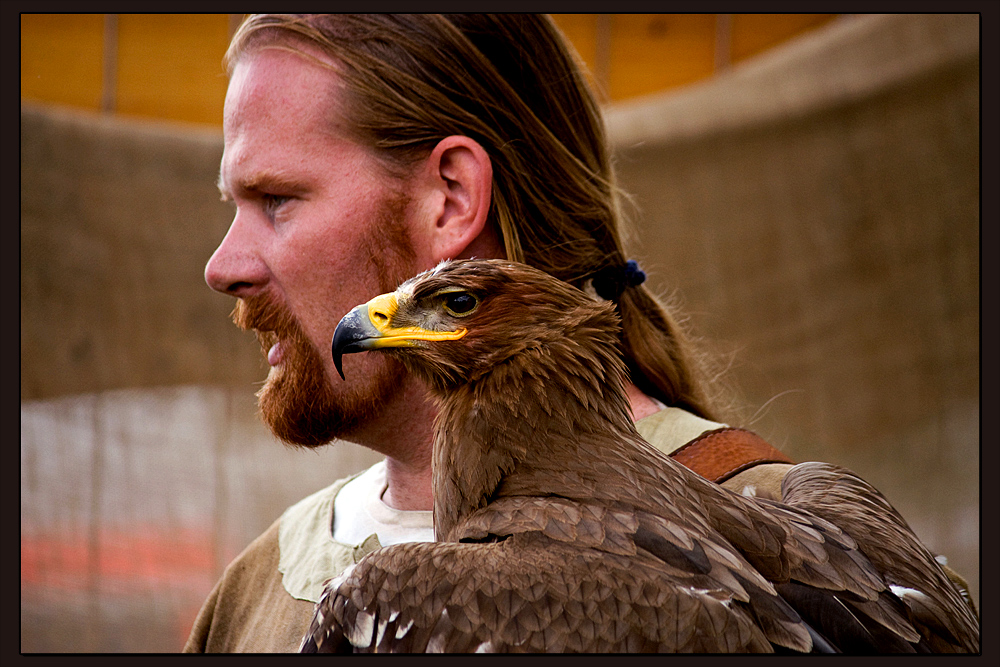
x: 559, y: 529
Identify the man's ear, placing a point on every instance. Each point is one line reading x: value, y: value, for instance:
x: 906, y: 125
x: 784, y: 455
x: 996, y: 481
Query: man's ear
x: 457, y: 183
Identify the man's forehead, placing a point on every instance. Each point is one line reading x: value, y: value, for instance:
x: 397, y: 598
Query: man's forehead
x: 287, y: 64
x: 278, y: 100
x: 279, y: 81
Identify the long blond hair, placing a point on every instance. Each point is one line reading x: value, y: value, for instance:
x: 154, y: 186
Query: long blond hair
x: 512, y: 83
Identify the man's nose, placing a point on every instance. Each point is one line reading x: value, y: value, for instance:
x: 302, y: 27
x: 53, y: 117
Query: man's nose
x: 236, y: 267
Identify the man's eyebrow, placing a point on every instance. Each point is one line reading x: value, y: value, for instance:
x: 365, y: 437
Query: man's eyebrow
x: 264, y: 181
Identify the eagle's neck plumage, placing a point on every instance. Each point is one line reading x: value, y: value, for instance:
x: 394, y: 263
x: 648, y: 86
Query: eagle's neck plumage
x: 516, y: 417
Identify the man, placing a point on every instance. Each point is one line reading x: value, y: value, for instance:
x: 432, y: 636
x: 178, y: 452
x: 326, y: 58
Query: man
x: 360, y: 150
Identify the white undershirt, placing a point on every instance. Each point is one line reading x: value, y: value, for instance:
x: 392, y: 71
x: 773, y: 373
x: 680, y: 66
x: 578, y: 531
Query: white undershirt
x: 358, y: 511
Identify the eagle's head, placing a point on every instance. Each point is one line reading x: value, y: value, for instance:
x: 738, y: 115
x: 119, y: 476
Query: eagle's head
x: 464, y: 318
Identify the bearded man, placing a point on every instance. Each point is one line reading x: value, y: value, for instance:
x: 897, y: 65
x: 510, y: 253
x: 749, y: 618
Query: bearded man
x: 359, y: 151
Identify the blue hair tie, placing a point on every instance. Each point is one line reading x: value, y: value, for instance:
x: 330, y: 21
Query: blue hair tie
x: 611, y: 281
x: 634, y: 276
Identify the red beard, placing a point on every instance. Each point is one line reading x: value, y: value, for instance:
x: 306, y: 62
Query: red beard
x: 297, y: 401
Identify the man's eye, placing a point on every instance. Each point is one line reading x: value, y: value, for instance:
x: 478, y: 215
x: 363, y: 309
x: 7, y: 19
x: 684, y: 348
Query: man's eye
x: 460, y: 303
x: 271, y: 203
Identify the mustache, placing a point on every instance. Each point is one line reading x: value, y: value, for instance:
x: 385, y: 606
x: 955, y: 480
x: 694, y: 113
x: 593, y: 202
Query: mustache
x: 266, y: 317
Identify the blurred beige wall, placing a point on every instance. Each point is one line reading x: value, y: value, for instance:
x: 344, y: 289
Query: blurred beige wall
x: 814, y: 211
x: 118, y: 218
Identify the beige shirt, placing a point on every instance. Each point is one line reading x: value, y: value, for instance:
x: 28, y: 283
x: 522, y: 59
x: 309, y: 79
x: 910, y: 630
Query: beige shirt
x: 264, y: 601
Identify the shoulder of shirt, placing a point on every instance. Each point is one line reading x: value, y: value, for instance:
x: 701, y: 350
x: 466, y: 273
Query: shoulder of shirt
x: 671, y: 428
x: 308, y: 554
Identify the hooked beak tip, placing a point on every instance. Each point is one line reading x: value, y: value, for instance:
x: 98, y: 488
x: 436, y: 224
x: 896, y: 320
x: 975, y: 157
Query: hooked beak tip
x: 338, y: 362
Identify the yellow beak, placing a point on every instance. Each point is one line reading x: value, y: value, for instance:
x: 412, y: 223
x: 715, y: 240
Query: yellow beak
x: 369, y: 327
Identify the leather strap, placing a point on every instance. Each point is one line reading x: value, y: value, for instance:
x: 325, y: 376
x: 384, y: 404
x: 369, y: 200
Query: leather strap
x: 718, y: 455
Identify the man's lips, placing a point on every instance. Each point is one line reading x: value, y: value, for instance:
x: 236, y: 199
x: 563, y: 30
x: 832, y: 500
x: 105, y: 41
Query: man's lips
x: 274, y: 354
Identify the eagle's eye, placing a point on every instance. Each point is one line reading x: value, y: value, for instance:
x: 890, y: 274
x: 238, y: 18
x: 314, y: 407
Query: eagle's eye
x: 460, y: 303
